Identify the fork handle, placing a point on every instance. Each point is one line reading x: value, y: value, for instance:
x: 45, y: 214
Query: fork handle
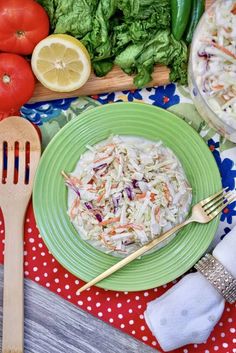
x: 13, y: 299
x: 133, y: 256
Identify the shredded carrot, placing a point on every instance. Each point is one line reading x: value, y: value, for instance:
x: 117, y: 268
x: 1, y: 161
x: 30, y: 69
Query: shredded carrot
x: 141, y: 196
x: 109, y: 221
x: 130, y: 225
x: 152, y: 196
x: 167, y: 193
x: 106, y: 243
x: 100, y: 197
x: 101, y: 186
x: 217, y: 87
x: 125, y: 226
x: 74, y: 180
x: 100, y: 159
x: 104, y: 149
x: 107, y: 146
x: 225, y: 50
x: 112, y: 232
x: 157, y: 213
x: 75, y: 204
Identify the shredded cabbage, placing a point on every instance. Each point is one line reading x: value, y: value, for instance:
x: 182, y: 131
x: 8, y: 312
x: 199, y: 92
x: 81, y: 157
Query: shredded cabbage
x: 126, y: 191
x: 215, y: 52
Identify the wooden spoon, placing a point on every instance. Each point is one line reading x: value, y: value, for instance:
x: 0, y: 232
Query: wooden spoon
x: 17, y: 137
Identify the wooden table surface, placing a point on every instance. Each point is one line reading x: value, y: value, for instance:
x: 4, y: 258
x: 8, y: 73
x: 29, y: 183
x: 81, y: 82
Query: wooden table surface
x: 53, y: 325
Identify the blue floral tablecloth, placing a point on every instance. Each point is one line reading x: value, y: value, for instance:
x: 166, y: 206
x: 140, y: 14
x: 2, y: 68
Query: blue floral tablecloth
x: 51, y: 116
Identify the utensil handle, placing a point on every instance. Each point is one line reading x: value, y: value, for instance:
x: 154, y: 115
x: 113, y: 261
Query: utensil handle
x: 133, y: 256
x: 13, y: 298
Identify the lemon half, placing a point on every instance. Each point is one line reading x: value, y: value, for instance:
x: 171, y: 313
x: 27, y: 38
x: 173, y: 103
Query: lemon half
x: 61, y: 63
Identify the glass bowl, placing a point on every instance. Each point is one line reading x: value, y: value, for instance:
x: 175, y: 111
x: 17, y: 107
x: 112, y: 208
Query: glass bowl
x: 226, y: 124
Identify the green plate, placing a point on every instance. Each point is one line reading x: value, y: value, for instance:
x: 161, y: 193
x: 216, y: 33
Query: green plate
x: 50, y: 194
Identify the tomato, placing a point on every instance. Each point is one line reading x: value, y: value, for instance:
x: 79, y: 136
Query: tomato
x: 23, y: 23
x: 6, y: 114
x: 16, y: 82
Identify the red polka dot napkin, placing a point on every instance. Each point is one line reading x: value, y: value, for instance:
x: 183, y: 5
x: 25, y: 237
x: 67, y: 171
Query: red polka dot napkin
x: 122, y: 310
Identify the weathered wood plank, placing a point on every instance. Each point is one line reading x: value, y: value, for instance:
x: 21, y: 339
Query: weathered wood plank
x: 52, y: 325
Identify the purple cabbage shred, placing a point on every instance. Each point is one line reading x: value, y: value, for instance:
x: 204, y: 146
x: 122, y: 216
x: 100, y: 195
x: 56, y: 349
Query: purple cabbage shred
x: 128, y: 242
x: 135, y: 183
x: 99, y: 217
x: 74, y: 188
x: 202, y: 54
x: 101, y: 166
x: 116, y: 201
x: 88, y: 205
x: 129, y: 192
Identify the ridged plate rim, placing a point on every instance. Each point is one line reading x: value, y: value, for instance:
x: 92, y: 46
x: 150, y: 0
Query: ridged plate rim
x: 50, y: 194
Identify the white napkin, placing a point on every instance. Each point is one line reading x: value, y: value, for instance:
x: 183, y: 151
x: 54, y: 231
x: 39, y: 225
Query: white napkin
x: 188, y: 312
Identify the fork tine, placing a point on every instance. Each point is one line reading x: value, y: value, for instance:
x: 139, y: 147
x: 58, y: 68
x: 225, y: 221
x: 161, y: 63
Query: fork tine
x: 219, y: 209
x: 210, y: 206
x: 210, y: 198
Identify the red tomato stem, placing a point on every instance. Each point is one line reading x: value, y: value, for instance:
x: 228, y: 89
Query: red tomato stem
x: 20, y: 34
x: 6, y: 79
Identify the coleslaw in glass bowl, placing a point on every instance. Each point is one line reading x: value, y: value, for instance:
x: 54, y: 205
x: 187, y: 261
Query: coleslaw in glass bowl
x: 212, y: 67
x: 125, y: 191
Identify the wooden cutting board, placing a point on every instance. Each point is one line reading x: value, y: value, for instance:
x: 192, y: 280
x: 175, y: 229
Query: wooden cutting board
x: 116, y: 80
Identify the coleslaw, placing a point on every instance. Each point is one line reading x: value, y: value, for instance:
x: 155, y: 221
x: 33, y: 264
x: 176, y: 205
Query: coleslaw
x: 215, y: 60
x: 125, y: 191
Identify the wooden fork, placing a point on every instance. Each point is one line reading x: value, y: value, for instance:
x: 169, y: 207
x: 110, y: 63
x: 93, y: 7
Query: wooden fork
x: 202, y: 212
x: 17, y: 136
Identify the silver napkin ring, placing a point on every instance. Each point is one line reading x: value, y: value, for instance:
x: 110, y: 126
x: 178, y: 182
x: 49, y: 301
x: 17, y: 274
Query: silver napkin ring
x: 218, y: 276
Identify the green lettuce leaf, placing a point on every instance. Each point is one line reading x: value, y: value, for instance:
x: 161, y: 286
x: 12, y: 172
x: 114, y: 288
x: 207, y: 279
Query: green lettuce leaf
x: 134, y: 34
x: 162, y: 49
x: 101, y: 68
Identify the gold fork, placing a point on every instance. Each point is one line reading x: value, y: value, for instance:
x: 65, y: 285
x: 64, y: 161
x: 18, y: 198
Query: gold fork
x: 202, y: 212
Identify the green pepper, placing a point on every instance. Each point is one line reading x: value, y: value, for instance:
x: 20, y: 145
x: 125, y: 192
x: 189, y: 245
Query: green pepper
x: 180, y: 12
x: 197, y: 11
